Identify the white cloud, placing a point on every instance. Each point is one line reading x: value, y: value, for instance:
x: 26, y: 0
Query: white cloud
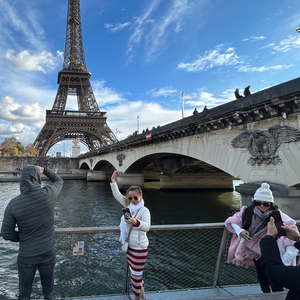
x: 156, y: 39
x: 12, y: 129
x: 155, y: 34
x: 21, y: 20
x: 30, y: 114
x: 250, y: 69
x: 226, y: 57
x: 212, y: 58
x: 123, y: 117
x: 116, y: 27
x: 288, y: 44
x: 32, y: 62
x: 106, y: 95
x: 254, y: 38
x: 162, y: 92
x: 268, y: 46
x: 140, y: 25
x: 285, y: 45
x: 203, y: 98
x: 266, y: 81
x: 24, y: 133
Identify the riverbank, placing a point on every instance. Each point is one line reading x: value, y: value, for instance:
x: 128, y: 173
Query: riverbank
x: 9, y: 177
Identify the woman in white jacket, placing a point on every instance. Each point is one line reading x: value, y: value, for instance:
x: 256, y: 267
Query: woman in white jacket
x: 138, y: 242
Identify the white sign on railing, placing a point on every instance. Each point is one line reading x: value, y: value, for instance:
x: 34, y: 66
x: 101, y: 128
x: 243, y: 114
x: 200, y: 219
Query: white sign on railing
x: 78, y: 248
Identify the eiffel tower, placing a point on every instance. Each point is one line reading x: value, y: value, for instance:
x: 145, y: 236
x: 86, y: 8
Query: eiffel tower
x: 88, y: 124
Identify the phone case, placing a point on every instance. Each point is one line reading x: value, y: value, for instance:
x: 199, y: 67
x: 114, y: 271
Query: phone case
x: 126, y: 211
x: 277, y: 217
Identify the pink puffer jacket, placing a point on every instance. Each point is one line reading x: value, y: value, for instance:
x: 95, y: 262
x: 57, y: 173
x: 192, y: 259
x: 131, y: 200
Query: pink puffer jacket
x: 242, y: 252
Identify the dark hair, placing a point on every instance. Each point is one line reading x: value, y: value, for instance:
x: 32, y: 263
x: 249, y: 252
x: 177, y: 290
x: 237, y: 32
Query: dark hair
x: 248, y: 213
x: 130, y: 189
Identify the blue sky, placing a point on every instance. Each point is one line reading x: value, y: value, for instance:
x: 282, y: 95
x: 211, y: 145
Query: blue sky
x: 142, y: 54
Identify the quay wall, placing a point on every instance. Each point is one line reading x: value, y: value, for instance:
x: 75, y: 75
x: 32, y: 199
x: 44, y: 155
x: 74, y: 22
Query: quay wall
x: 65, y: 165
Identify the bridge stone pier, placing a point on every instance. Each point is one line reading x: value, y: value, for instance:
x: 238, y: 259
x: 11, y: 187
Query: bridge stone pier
x: 95, y: 176
x: 199, y: 181
x: 254, y: 139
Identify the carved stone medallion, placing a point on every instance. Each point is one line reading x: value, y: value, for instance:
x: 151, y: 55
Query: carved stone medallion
x: 120, y: 158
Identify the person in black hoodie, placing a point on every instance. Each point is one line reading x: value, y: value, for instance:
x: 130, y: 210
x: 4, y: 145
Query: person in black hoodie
x: 287, y: 276
x: 29, y: 221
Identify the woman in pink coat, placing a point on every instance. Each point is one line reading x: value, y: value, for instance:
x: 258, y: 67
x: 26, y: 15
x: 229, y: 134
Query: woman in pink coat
x: 248, y: 227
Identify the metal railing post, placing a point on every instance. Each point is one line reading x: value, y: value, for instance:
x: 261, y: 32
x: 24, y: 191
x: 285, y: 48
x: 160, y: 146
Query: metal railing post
x: 220, y: 259
x: 126, y: 280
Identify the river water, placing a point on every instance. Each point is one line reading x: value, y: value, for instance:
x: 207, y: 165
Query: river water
x: 90, y: 204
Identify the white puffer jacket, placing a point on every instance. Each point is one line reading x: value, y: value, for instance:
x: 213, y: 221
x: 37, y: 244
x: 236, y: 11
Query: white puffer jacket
x: 138, y: 237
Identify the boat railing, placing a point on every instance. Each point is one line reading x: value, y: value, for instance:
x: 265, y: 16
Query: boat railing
x: 180, y: 257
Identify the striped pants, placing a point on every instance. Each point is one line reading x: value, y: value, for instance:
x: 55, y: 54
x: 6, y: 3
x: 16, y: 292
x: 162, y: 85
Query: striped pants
x: 136, y: 260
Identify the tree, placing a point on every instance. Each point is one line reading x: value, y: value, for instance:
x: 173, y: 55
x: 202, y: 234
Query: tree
x: 20, y: 149
x: 10, y: 147
x: 31, y: 151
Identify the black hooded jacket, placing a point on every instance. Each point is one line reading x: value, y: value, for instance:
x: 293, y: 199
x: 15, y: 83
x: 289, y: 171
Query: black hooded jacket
x: 287, y: 276
x: 29, y: 217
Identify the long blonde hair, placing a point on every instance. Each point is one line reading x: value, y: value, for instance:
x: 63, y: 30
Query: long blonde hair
x: 130, y: 189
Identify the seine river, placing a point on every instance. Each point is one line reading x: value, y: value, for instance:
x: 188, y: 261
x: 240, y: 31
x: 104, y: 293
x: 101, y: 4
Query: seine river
x: 90, y: 204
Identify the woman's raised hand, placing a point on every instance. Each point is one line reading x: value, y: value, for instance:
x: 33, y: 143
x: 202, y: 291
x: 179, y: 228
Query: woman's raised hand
x: 114, y: 175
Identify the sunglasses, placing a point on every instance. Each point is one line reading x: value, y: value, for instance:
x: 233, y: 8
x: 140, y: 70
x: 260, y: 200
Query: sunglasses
x: 265, y: 204
x: 135, y: 198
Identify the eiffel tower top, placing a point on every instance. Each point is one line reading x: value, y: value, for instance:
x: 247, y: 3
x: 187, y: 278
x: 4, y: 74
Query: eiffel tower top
x: 74, y: 53
x: 88, y: 123
x: 73, y: 79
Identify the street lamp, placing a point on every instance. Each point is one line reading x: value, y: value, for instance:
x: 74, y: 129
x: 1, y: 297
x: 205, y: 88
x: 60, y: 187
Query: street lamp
x: 138, y: 125
x: 182, y: 104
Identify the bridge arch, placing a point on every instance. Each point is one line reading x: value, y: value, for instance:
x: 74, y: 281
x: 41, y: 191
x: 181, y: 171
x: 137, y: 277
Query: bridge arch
x: 172, y: 163
x: 84, y: 166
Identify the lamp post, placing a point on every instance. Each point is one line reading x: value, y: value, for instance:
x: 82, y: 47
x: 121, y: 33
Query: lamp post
x: 138, y: 125
x: 182, y: 104
x: 116, y: 133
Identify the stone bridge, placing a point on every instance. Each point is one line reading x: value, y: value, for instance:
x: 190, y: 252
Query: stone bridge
x: 253, y: 139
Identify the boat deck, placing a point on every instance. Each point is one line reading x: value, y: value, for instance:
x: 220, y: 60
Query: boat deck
x: 236, y: 292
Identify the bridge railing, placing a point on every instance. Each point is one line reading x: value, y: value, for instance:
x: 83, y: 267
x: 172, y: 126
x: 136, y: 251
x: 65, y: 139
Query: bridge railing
x: 180, y: 257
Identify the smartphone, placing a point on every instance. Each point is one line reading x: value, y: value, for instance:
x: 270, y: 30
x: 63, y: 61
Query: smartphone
x: 277, y: 217
x: 126, y: 212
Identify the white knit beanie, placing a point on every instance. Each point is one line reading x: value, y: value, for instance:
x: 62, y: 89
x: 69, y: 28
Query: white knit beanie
x: 264, y: 193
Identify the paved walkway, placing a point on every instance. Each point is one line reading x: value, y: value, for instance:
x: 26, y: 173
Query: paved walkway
x: 238, y: 292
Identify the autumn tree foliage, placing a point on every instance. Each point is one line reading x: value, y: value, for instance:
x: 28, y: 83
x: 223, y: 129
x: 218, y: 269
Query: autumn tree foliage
x: 12, y: 147
x: 31, y: 151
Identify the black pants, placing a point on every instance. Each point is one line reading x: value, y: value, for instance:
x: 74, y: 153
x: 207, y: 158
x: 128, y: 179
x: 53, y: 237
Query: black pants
x: 263, y: 280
